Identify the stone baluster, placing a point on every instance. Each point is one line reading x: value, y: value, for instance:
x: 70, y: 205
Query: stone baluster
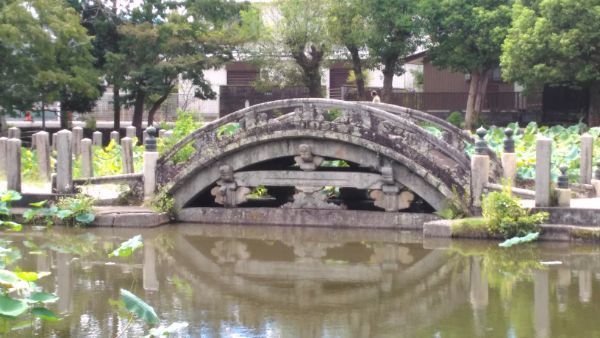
x: 150, y: 159
x: 77, y: 136
x: 115, y: 136
x: 127, y: 155
x: 130, y: 132
x: 64, y: 162
x: 144, y: 136
x: 87, y: 158
x: 595, y: 181
x: 14, y: 132
x: 97, y: 139
x: 543, y: 156
x: 585, y: 159
x: 13, y: 164
x: 3, y: 142
x: 161, y: 133
x: 480, y: 167
x: 42, y: 147
x: 509, y: 157
x: 563, y: 191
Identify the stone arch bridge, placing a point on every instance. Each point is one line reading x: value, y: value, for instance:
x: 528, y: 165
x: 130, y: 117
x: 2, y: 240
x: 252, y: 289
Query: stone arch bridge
x: 319, y: 154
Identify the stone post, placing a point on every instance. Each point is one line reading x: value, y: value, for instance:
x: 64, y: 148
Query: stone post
x: 97, y: 139
x: 595, y: 181
x: 14, y: 132
x: 150, y: 159
x: 42, y: 148
x: 543, y: 156
x: 480, y: 168
x: 3, y: 142
x: 77, y: 136
x: 127, y: 155
x: 64, y: 162
x: 585, y: 159
x: 115, y: 136
x: 563, y: 191
x: 144, y: 137
x: 168, y: 133
x: 13, y: 164
x: 509, y: 158
x: 130, y: 132
x: 161, y: 133
x: 87, y: 158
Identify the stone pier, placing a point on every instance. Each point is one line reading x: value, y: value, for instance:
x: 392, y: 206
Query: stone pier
x: 64, y: 162
x: 13, y: 160
x: 543, y: 171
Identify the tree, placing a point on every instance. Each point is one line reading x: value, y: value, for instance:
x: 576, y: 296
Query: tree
x: 466, y: 36
x: 347, y: 25
x: 46, y: 57
x: 556, y: 42
x: 394, y: 33
x: 164, y: 41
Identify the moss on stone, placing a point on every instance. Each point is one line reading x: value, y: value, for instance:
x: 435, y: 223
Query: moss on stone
x: 585, y: 234
x: 474, y: 227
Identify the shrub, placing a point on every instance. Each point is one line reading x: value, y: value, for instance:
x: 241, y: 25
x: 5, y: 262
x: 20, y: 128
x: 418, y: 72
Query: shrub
x: 456, y: 118
x: 457, y: 206
x: 162, y: 201
x: 80, y: 209
x: 185, y: 125
x: 505, y: 215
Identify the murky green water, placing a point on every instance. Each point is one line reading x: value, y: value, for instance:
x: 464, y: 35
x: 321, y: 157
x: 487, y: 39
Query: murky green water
x: 292, y: 282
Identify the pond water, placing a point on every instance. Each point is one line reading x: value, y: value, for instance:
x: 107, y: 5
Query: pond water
x: 308, y: 282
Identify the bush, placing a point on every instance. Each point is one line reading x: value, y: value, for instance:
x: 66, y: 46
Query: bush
x: 456, y: 118
x: 80, y: 207
x: 162, y: 201
x: 185, y: 125
x: 505, y: 215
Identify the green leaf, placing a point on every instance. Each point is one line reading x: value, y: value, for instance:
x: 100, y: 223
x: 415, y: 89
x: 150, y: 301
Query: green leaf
x: 42, y: 297
x: 10, y: 196
x: 11, y: 307
x: 45, y: 314
x: 64, y: 213
x: 128, y: 247
x: 30, y: 214
x: 39, y: 204
x: 138, y: 307
x: 14, y: 226
x: 85, y: 218
x: 31, y: 276
x: 8, y: 279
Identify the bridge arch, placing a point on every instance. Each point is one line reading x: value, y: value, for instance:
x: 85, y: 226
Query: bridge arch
x: 380, y: 143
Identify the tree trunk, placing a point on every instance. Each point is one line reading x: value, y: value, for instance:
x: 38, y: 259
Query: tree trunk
x: 155, y: 106
x: 469, y: 112
x: 594, y: 105
x: 64, y: 117
x: 138, y: 110
x: 313, y: 82
x: 480, y: 95
x: 116, y: 108
x: 311, y: 68
x: 388, y: 82
x: 358, y: 75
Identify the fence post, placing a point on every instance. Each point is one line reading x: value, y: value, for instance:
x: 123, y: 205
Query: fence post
x: 41, y: 140
x: 14, y: 132
x: 543, y: 150
x: 87, y: 158
x: 64, y: 162
x: 150, y: 159
x: 13, y: 160
x: 77, y: 136
x: 585, y: 159
x: 54, y: 141
x: 509, y: 158
x: 480, y: 168
x: 3, y: 143
x: 595, y: 181
x: 115, y: 136
x: 97, y: 139
x: 127, y: 155
x: 130, y: 131
x: 161, y: 133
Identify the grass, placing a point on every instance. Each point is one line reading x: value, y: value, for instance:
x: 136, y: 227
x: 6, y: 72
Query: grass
x: 472, y: 227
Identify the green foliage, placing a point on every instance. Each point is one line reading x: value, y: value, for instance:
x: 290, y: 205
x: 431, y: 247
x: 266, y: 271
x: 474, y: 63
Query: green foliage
x: 138, y: 307
x: 127, y: 248
x: 457, y: 206
x: 77, y: 209
x: 470, y: 228
x: 332, y: 114
x: 90, y: 122
x: 565, y: 151
x: 185, y: 124
x: 456, y: 118
x: 228, y: 130
x: 162, y: 201
x: 505, y: 215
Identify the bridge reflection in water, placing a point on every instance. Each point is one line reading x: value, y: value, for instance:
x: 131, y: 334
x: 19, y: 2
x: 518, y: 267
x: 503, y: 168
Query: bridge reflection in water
x: 311, y: 282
